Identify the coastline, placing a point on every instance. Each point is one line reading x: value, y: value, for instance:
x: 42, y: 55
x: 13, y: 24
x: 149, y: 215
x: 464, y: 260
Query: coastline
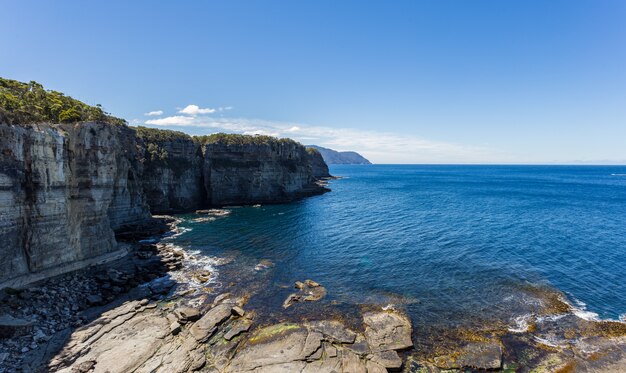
x: 552, y: 338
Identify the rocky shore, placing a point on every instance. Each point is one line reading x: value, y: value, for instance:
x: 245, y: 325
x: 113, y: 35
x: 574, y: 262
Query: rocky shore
x: 162, y: 310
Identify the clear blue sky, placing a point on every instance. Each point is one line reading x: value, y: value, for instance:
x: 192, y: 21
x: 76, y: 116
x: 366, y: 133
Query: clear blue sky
x: 402, y: 82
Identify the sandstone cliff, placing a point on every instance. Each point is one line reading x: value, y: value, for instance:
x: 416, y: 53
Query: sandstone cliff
x: 267, y: 172
x: 64, y: 192
x: 67, y: 190
x: 172, y: 177
x: 319, y: 167
x: 70, y: 191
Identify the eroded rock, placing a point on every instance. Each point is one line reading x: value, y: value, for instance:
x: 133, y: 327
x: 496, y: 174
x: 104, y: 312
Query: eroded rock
x: 477, y: 355
x: 387, y: 330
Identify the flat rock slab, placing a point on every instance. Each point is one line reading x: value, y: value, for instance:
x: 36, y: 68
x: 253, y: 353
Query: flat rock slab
x: 476, y: 355
x: 274, y: 345
x: 204, y: 328
x: 387, y: 359
x: 387, y: 330
x: 121, y: 349
x: 333, y: 331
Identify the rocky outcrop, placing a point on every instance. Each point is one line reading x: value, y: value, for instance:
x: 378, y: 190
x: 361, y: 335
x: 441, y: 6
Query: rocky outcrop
x: 139, y: 337
x: 64, y: 192
x: 272, y: 172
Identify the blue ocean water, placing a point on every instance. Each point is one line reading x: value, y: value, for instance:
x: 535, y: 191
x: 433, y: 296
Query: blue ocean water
x: 449, y: 242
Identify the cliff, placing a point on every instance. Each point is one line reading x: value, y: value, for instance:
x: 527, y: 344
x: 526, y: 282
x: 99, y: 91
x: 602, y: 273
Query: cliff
x: 70, y: 191
x: 173, y: 171
x: 65, y: 190
x: 319, y: 167
x: 267, y: 171
x: 334, y: 157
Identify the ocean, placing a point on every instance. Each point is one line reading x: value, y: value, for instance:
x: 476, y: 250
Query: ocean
x: 453, y: 245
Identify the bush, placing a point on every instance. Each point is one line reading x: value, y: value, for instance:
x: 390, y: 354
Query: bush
x: 26, y: 103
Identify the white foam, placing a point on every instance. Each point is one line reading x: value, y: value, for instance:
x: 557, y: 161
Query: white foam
x: 522, y: 324
x: 580, y: 310
x: 177, y: 232
x: 547, y: 342
x: 618, y: 174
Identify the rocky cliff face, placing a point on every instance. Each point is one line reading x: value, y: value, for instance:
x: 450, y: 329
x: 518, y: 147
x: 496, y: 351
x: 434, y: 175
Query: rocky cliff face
x: 64, y: 191
x: 319, y: 167
x: 67, y: 190
x: 172, y: 175
x: 272, y: 172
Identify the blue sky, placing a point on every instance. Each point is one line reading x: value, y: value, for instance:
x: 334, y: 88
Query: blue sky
x: 436, y: 81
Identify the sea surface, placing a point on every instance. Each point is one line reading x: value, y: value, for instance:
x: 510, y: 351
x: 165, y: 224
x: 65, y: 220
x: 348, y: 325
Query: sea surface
x: 450, y: 244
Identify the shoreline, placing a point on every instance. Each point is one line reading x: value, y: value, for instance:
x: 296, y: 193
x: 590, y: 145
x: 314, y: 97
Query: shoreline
x: 594, y: 342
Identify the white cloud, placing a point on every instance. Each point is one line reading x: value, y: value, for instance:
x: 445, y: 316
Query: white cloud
x: 155, y: 113
x: 177, y: 120
x: 195, y: 110
x: 379, y: 147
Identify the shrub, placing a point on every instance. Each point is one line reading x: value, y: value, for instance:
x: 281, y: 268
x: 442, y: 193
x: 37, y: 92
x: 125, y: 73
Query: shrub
x: 25, y: 103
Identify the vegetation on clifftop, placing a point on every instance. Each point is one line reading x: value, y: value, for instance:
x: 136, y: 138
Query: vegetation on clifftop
x: 235, y: 139
x: 25, y: 103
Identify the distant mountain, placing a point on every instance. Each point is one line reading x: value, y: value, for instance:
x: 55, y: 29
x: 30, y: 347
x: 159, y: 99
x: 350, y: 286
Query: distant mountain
x: 334, y: 157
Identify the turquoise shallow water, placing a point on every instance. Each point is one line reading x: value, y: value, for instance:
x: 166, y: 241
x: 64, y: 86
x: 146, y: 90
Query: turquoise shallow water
x: 451, y: 243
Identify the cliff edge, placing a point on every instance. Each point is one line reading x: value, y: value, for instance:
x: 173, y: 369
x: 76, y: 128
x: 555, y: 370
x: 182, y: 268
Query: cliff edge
x: 74, y: 180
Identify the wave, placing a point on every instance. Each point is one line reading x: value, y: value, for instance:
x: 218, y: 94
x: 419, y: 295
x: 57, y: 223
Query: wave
x: 618, y: 174
x: 580, y: 310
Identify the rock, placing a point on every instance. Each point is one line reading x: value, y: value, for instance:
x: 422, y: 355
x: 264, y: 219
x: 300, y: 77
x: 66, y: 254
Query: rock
x: 237, y: 328
x: 94, y: 300
x: 352, y: 363
x: 360, y: 346
x: 333, y: 331
x: 221, y: 298
x: 324, y: 365
x: 186, y: 314
x: 387, y: 330
x: 264, y: 264
x: 315, y: 294
x: 161, y: 285
x: 330, y: 350
x: 120, y: 341
x: 174, y: 328
x: 311, y: 283
x: 373, y: 367
x: 238, y: 311
x: 204, y: 328
x: 312, y: 344
x: 387, y: 359
x: 476, y: 355
x: 85, y: 366
x: 310, y: 291
x: 291, y: 299
x: 40, y: 336
x: 272, y: 345
x: 11, y: 326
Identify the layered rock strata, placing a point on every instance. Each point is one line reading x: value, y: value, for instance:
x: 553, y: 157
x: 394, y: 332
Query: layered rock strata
x: 67, y: 191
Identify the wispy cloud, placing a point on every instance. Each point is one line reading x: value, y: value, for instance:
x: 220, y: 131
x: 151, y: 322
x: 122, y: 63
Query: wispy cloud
x: 155, y: 113
x: 195, y: 110
x: 380, y: 147
x: 176, y: 120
